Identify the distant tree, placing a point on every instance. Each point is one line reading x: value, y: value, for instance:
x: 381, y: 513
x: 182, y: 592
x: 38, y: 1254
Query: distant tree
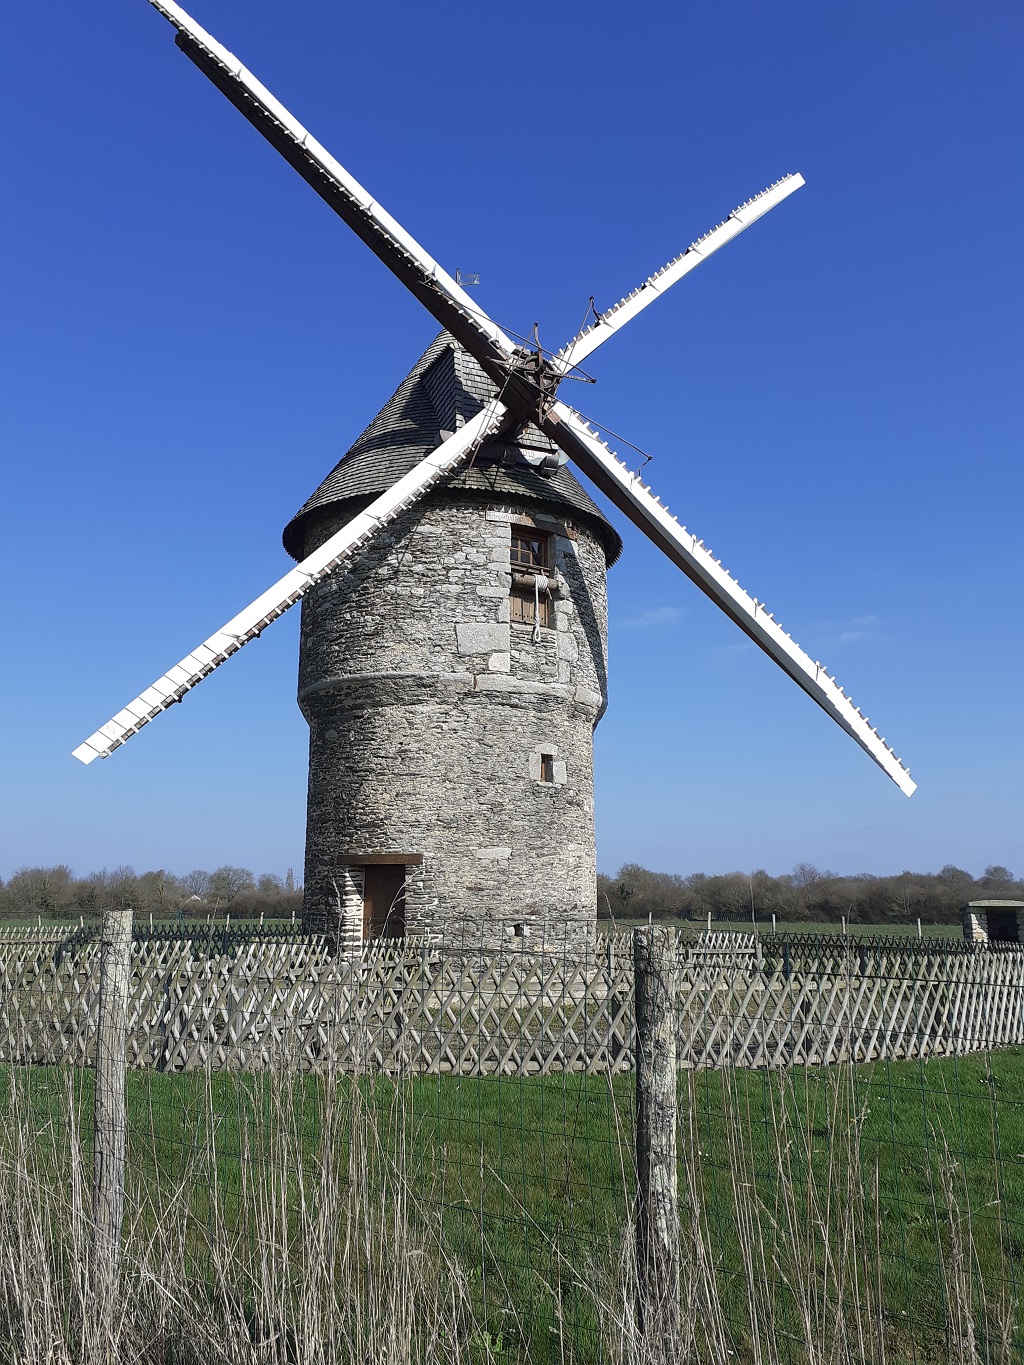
x: 997, y: 875
x: 197, y: 882
x: 160, y: 892
x: 804, y: 875
x: 46, y: 891
x: 122, y: 889
x: 901, y: 897
x: 90, y: 893
x: 227, y: 882
x: 289, y: 882
x: 269, y: 885
x: 637, y: 893
x: 628, y: 882
x: 772, y: 896
x: 729, y: 895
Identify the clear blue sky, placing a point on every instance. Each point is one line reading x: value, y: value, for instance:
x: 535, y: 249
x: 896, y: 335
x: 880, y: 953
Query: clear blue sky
x: 191, y: 340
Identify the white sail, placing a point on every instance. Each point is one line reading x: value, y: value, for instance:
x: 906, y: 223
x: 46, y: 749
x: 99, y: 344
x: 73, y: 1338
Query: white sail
x: 591, y: 453
x: 609, y: 322
x: 250, y: 622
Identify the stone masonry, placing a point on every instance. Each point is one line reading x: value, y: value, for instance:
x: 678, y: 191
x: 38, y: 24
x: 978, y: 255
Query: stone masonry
x: 429, y: 712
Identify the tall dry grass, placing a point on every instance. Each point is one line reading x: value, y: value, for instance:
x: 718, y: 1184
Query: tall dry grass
x: 319, y: 1256
x: 327, y: 1244
x: 805, y: 1261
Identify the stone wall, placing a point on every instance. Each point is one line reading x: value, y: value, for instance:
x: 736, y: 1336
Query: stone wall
x: 429, y: 712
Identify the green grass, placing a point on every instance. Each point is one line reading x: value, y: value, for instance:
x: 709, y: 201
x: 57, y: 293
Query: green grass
x: 763, y: 925
x: 538, y: 1170
x: 939, y: 1143
x: 530, y: 1180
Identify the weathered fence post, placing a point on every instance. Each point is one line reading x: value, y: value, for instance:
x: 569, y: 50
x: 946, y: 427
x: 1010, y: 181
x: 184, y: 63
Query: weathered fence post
x: 657, y: 1217
x: 110, y: 1121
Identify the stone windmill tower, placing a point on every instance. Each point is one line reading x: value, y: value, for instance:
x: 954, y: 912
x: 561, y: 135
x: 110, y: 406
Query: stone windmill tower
x: 452, y: 676
x: 453, y: 660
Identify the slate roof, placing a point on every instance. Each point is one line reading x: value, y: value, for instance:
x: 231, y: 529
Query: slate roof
x: 443, y: 390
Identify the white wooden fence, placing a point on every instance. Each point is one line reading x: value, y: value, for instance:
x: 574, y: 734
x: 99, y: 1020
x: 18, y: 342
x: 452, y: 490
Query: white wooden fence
x: 246, y: 1001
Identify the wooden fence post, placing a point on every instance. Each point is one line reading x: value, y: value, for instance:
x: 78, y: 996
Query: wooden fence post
x: 657, y: 1217
x: 110, y: 1122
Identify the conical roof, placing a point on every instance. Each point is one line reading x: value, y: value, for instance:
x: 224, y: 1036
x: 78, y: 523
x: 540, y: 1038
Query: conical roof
x: 442, y: 391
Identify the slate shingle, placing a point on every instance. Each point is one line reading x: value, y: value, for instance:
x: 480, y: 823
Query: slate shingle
x: 442, y: 391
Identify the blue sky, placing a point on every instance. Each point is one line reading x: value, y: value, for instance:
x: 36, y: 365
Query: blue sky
x: 192, y: 340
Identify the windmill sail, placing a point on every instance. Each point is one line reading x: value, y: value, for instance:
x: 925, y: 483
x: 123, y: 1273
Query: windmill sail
x: 609, y: 322
x: 590, y: 453
x: 250, y: 622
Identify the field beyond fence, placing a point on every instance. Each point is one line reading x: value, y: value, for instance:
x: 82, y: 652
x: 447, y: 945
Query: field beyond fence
x: 428, y: 1153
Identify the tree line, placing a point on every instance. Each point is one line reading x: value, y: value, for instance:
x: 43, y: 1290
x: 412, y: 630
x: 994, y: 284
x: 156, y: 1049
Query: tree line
x: 56, y: 893
x: 635, y: 892
x: 803, y: 895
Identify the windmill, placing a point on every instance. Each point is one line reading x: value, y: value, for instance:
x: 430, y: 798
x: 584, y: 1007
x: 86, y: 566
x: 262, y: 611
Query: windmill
x: 451, y: 569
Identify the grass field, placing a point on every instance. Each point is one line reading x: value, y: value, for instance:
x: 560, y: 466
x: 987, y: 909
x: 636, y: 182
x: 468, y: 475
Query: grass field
x: 854, y: 1213
x: 763, y: 925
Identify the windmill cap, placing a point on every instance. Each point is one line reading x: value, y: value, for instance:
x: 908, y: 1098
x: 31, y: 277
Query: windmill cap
x: 442, y: 391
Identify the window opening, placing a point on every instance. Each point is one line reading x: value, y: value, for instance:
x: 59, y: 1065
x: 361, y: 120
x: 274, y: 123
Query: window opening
x: 547, y: 767
x: 529, y: 550
x: 530, y: 557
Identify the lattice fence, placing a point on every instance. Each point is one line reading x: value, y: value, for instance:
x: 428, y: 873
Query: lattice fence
x: 249, y: 997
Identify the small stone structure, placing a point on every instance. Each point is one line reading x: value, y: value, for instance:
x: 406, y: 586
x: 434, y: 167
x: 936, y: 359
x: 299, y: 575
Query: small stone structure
x: 994, y: 922
x: 451, y: 693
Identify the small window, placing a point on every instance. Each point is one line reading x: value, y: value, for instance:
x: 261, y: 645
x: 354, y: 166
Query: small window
x: 529, y: 550
x: 547, y: 767
x: 530, y: 554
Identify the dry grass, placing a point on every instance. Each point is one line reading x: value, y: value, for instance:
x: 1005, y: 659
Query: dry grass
x: 314, y: 1259
x: 330, y: 1246
x: 812, y: 1268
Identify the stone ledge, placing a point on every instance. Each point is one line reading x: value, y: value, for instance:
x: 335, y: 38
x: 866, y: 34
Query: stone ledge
x: 404, y: 683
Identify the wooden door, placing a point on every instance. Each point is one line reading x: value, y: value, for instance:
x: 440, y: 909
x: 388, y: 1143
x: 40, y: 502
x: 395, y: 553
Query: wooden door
x: 384, y: 901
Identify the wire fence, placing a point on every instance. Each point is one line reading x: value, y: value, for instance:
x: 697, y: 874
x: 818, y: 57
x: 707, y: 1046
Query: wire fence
x: 428, y: 1152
